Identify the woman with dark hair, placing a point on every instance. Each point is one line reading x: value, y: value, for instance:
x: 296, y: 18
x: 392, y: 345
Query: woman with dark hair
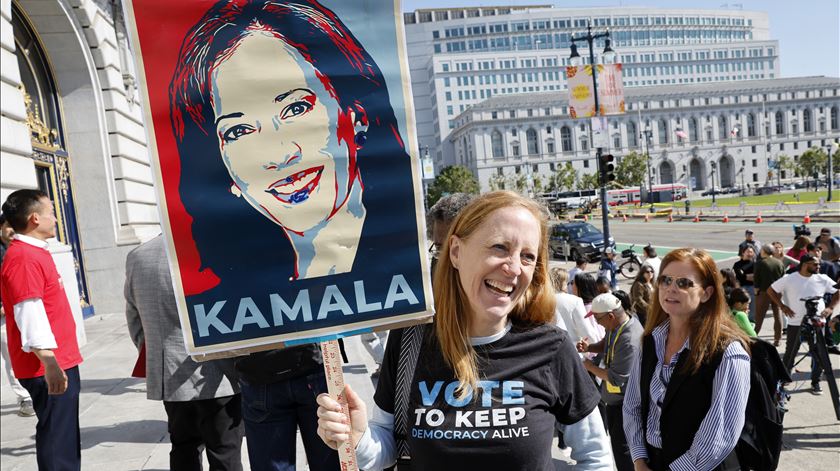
x: 493, y: 373
x: 641, y: 291
x: 292, y: 168
x: 585, y: 287
x: 729, y: 280
x: 685, y: 401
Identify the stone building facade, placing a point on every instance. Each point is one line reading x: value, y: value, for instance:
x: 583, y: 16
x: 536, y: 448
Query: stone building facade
x: 72, y: 126
x: 740, y: 126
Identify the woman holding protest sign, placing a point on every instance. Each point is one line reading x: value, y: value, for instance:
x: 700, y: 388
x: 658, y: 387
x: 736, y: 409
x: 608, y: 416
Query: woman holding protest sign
x: 684, y: 407
x: 494, y: 373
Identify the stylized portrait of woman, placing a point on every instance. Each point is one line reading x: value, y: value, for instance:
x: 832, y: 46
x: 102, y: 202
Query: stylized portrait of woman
x: 291, y: 157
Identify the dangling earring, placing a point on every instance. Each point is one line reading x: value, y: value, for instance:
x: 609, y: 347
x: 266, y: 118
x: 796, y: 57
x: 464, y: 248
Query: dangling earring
x: 235, y: 191
x: 361, y: 138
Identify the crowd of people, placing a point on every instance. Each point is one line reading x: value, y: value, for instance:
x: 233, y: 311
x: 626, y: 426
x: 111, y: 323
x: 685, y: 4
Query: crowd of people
x: 657, y: 378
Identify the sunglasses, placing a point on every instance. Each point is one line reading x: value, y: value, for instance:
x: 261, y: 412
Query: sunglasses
x: 682, y: 283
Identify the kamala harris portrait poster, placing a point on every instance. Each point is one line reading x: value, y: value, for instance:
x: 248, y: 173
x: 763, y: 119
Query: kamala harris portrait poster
x: 286, y: 167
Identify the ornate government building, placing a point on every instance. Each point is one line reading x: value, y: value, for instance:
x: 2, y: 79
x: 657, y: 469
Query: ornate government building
x: 72, y: 126
x: 741, y: 127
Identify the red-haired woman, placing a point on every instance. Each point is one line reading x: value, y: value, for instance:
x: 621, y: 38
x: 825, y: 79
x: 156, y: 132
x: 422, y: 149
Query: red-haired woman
x: 685, y: 400
x: 494, y: 373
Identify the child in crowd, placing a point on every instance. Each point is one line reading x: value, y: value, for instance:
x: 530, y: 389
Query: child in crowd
x: 739, y: 303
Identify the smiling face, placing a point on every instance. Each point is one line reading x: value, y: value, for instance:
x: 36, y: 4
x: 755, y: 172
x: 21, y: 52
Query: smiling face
x: 495, y: 265
x: 277, y: 124
x: 682, y: 302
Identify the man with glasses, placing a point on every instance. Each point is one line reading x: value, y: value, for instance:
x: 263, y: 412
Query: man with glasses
x: 440, y: 218
x: 619, y: 347
x: 831, y: 252
x: 786, y: 293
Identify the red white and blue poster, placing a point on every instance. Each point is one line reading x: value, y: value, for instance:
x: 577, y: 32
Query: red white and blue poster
x: 287, y: 174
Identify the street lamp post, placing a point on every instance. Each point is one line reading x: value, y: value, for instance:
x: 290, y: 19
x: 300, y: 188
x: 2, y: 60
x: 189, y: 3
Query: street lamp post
x: 647, y: 133
x: 743, y: 164
x: 714, y: 169
x: 832, y: 147
x: 575, y: 59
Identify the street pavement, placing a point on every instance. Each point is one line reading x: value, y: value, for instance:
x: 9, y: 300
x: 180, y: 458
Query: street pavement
x: 122, y: 430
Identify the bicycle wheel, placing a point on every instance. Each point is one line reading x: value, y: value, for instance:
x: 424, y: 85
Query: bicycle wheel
x: 630, y: 269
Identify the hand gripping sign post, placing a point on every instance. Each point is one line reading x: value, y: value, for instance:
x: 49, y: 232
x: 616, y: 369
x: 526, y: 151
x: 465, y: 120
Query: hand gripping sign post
x: 284, y: 150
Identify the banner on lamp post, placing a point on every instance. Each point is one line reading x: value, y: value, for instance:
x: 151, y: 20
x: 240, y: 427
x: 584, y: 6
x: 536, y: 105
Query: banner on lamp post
x: 582, y: 96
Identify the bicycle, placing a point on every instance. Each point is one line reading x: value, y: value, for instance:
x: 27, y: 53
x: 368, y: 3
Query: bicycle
x: 812, y: 331
x: 631, y: 267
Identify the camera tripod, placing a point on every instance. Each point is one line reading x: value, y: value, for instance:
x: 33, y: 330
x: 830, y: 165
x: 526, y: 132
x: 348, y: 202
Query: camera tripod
x: 812, y: 331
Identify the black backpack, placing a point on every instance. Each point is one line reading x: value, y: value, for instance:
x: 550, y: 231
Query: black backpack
x: 761, y: 438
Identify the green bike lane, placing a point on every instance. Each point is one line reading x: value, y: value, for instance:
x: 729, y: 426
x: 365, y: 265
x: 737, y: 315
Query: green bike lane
x: 661, y: 250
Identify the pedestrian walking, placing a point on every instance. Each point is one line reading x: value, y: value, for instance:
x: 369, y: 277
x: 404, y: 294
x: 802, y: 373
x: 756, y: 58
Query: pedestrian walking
x: 43, y: 347
x: 202, y: 401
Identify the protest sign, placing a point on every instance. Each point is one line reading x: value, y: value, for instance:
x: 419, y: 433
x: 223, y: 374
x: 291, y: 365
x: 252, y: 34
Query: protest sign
x: 284, y: 150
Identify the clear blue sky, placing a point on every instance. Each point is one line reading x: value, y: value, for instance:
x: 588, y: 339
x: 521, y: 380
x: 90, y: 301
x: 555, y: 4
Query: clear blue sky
x: 808, y: 31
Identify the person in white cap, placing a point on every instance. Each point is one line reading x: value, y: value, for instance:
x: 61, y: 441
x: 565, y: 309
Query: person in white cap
x: 620, y: 347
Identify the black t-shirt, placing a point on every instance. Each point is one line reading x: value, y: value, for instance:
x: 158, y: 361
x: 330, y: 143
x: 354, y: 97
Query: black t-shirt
x: 529, y: 379
x: 742, y: 268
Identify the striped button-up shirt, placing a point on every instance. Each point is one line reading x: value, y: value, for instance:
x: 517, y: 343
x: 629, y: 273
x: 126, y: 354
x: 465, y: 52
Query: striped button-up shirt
x: 719, y: 430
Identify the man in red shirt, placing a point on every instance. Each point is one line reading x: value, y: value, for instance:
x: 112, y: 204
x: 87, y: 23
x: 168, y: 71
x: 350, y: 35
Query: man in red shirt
x: 42, y: 332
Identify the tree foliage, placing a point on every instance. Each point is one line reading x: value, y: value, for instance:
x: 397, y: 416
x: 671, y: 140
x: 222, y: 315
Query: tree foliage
x: 588, y: 181
x: 564, y: 177
x: 812, y: 161
x: 631, y: 170
x: 452, y: 179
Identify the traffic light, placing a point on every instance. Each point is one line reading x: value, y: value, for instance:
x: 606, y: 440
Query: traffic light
x: 606, y: 166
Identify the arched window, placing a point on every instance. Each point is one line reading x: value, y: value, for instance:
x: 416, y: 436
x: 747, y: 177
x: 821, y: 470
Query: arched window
x: 723, y: 129
x: 750, y: 125
x: 496, y: 144
x: 834, y: 125
x: 531, y: 138
x: 693, y: 130
x: 35, y: 75
x: 632, y: 135
x: 807, y: 124
x: 566, y: 139
x: 780, y: 123
x: 663, y: 131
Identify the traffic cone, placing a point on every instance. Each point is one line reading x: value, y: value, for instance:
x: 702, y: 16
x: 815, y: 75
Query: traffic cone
x: 725, y: 218
x: 807, y: 219
x: 585, y: 218
x: 696, y: 217
x: 646, y: 218
x: 670, y: 217
x: 758, y: 219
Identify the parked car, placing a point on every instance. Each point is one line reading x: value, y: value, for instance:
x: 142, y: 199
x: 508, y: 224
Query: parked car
x: 766, y: 190
x: 716, y: 191
x: 577, y: 239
